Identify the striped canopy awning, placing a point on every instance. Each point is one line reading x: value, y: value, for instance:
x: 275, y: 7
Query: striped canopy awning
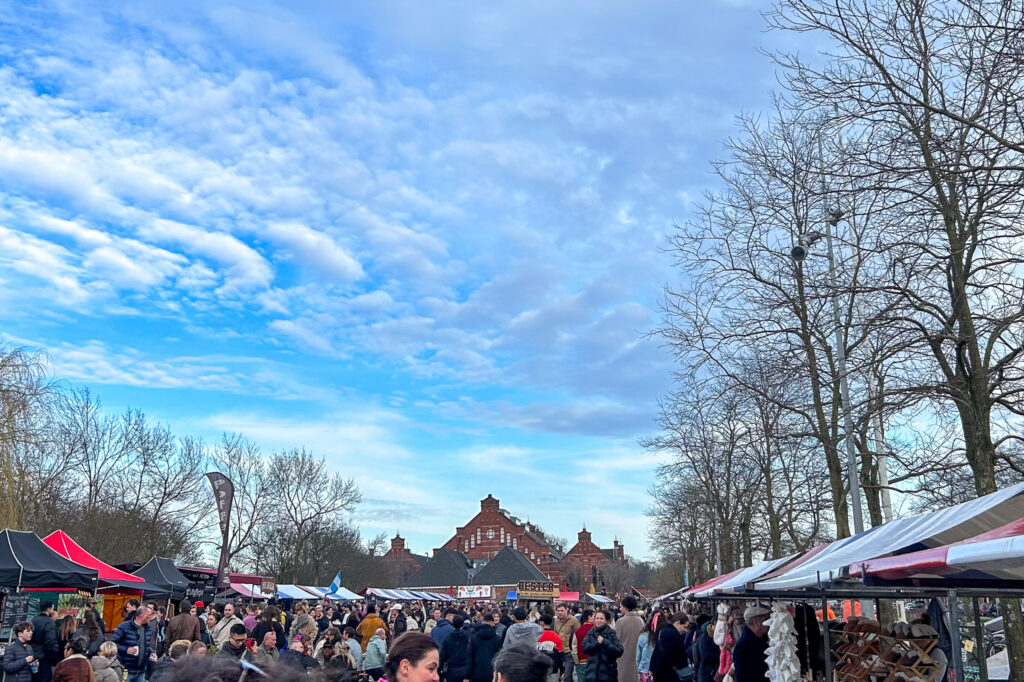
x: 407, y: 595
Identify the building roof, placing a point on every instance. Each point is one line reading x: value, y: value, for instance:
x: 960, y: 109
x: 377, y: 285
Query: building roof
x: 446, y: 568
x: 508, y: 567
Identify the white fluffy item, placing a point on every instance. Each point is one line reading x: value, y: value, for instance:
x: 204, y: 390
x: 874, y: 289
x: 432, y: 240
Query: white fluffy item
x: 783, y: 663
x: 722, y: 625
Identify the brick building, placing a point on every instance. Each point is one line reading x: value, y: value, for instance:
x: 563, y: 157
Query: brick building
x: 403, y: 562
x: 586, y: 565
x: 494, y: 528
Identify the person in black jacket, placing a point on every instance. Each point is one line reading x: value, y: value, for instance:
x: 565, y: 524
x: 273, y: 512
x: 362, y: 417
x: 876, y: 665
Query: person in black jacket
x: 269, y: 621
x: 44, y: 642
x: 603, y: 650
x: 18, y: 658
x: 705, y: 653
x: 484, y: 643
x: 748, y: 656
x: 669, y: 655
x: 454, y: 659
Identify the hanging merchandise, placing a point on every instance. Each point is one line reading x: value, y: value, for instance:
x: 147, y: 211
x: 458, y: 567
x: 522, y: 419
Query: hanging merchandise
x: 783, y: 663
x: 808, y: 641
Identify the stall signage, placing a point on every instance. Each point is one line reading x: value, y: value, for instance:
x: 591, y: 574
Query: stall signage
x: 474, y: 592
x: 536, y: 589
x: 268, y: 586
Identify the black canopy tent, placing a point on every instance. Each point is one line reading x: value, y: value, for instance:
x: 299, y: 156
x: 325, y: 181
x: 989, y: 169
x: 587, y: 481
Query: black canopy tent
x: 27, y: 563
x: 163, y: 579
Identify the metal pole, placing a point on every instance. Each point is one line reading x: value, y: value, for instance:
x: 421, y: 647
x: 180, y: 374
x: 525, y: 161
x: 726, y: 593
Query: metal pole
x: 954, y: 635
x: 828, y: 643
x: 844, y: 387
x: 979, y: 638
x: 883, y: 467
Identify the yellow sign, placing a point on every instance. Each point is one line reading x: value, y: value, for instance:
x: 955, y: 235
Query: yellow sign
x: 536, y: 589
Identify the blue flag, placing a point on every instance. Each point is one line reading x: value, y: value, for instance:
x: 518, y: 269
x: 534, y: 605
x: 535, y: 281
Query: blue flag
x: 336, y: 583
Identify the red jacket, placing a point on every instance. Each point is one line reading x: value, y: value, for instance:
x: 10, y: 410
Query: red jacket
x: 580, y: 635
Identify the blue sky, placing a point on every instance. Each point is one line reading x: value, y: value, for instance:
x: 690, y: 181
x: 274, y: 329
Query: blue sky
x: 421, y: 239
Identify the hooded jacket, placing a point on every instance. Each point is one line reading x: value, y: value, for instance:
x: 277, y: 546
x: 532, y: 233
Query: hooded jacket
x: 484, y: 643
x: 441, y: 631
x: 104, y: 671
x: 455, y: 655
x: 602, y: 657
x: 528, y: 633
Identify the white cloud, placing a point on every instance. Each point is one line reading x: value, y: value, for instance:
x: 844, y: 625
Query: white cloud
x: 316, y: 249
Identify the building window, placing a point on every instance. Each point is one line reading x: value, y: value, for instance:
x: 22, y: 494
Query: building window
x: 490, y: 533
x: 478, y: 535
x: 467, y: 545
x: 503, y: 536
x: 472, y: 541
x: 515, y: 543
x: 533, y: 556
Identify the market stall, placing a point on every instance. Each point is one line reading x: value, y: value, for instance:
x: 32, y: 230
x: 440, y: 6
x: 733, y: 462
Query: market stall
x: 115, y: 586
x: 30, y: 572
x: 972, y: 549
x: 26, y: 562
x: 164, y: 580
x: 296, y: 592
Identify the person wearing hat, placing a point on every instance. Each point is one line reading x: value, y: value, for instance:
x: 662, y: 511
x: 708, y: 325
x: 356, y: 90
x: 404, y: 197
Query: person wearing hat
x: 749, y: 662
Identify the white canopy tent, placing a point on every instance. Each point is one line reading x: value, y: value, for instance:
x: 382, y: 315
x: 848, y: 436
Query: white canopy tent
x: 941, y: 527
x: 738, y: 581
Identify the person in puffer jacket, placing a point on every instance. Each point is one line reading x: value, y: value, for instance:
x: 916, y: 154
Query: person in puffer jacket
x: 18, y: 657
x: 134, y: 644
x: 105, y: 665
x: 603, y: 650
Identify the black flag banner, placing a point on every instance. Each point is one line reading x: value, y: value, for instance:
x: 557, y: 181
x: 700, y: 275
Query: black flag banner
x: 224, y: 494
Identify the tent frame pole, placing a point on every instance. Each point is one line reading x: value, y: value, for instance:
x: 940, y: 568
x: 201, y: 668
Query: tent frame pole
x: 827, y: 633
x: 979, y: 641
x: 954, y: 635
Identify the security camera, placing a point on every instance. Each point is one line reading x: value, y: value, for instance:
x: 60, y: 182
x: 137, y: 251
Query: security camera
x: 798, y: 253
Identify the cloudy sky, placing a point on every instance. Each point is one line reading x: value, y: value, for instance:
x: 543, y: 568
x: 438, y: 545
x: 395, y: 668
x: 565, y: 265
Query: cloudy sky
x: 422, y: 239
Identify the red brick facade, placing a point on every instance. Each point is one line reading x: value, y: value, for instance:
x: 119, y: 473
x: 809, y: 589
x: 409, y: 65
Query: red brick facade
x: 405, y: 563
x: 587, y: 565
x: 494, y: 528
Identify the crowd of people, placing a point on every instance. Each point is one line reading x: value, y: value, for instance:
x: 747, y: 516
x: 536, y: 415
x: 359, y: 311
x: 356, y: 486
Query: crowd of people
x: 373, y: 642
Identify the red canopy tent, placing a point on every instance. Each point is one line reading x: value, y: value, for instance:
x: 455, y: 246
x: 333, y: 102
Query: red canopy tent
x: 61, y: 542
x: 711, y: 583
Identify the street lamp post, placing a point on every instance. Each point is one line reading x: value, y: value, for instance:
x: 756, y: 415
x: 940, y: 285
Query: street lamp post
x: 798, y: 253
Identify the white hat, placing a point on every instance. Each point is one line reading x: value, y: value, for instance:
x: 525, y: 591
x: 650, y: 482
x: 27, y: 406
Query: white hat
x: 396, y: 607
